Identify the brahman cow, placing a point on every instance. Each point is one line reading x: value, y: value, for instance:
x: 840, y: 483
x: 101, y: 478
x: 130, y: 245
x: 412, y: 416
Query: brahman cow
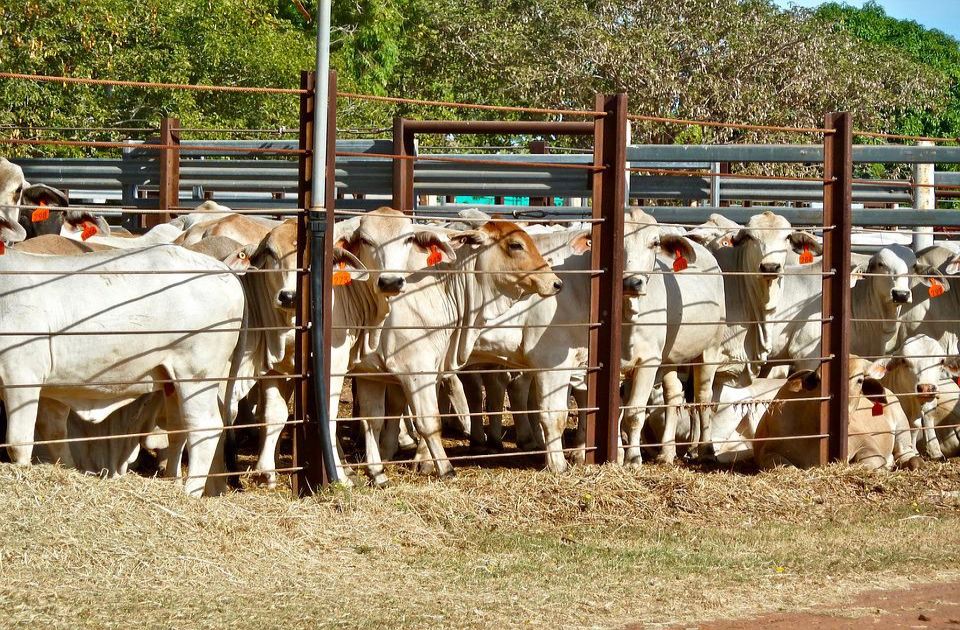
x: 95, y: 374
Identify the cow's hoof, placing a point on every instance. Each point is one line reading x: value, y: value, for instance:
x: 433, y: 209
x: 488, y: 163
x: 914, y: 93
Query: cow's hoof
x: 495, y: 446
x: 381, y: 482
x: 666, y: 460
x: 633, y: 462
x: 425, y: 467
x: 578, y: 458
x: 914, y: 463
x: 450, y: 474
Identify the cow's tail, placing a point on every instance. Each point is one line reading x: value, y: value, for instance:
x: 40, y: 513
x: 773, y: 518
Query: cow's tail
x: 231, y: 400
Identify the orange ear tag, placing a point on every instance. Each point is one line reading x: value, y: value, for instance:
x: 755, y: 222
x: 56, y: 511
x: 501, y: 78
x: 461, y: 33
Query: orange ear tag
x: 89, y: 230
x: 434, y: 257
x: 680, y: 263
x: 935, y: 289
x: 341, y: 278
x: 877, y: 409
x: 807, y: 256
x: 40, y: 214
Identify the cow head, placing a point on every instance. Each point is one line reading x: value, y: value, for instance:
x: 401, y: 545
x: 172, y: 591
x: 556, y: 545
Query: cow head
x: 518, y: 269
x: 764, y: 244
x: 390, y: 246
x: 643, y: 240
x: 715, y: 233
x: 917, y: 368
x: 888, y: 277
x: 12, y: 187
x: 277, y: 255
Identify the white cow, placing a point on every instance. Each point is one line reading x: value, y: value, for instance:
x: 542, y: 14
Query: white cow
x: 68, y: 370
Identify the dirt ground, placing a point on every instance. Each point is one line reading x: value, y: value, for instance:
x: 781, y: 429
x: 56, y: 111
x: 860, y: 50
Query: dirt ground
x: 934, y: 605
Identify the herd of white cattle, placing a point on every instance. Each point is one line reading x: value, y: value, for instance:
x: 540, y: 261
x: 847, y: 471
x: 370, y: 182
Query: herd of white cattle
x: 112, y: 342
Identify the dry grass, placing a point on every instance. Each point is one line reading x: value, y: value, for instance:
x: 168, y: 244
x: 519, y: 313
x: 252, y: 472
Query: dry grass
x: 599, y: 546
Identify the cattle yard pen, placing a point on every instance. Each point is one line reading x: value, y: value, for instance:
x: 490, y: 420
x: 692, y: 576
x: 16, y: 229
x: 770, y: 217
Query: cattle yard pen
x: 599, y: 189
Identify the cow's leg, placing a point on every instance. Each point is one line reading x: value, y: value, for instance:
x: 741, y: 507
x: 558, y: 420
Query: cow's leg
x: 552, y: 395
x: 930, y: 440
x: 471, y: 425
x: 394, y: 405
x: 201, y: 415
x: 21, y: 404
x: 472, y: 386
x: 529, y: 436
x: 579, y: 456
x: 904, y: 452
x: 52, y: 417
x: 421, y: 392
x: 635, y: 413
x: 177, y: 438
x: 496, y: 386
x: 703, y: 378
x: 371, y: 395
x: 673, y: 397
x: 272, y: 413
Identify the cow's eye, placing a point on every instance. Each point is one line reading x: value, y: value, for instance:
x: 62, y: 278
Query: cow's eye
x: 515, y: 246
x: 410, y: 240
x: 364, y: 241
x: 19, y: 190
x: 655, y: 245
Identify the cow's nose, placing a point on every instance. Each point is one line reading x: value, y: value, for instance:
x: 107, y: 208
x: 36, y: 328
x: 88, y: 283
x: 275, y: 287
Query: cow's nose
x: 390, y: 285
x: 287, y: 299
x: 770, y: 267
x: 557, y: 285
x: 926, y: 388
x: 633, y: 284
x: 900, y: 296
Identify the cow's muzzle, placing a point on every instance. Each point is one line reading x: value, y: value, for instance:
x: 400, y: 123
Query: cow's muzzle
x: 390, y: 285
x: 634, y: 286
x: 287, y: 299
x: 900, y: 296
x: 926, y: 391
x: 770, y: 268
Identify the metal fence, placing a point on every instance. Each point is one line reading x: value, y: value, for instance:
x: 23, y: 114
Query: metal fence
x: 163, y: 176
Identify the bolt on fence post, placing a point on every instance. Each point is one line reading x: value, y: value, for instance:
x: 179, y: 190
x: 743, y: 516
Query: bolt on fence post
x: 837, y: 214
x: 307, y: 446
x: 606, y: 294
x: 169, y: 164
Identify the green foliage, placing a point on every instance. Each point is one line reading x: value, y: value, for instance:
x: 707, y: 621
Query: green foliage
x: 930, y: 48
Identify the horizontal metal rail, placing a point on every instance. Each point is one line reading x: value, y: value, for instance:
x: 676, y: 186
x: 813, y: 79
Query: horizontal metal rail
x: 455, y: 372
x: 121, y: 436
x: 148, y: 84
x: 908, y: 429
x: 459, y: 327
x: 480, y: 106
x: 454, y: 458
x: 714, y: 123
x: 97, y: 144
x: 188, y: 331
x: 146, y: 272
x: 785, y: 438
x: 242, y: 473
x: 212, y: 379
x: 739, y: 402
x: 736, y: 323
x: 476, y: 161
x: 538, y: 219
x: 473, y: 414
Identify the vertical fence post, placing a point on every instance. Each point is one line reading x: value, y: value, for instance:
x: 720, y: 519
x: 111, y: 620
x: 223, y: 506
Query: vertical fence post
x: 837, y: 215
x: 307, y: 447
x: 609, y: 187
x: 169, y: 171
x: 402, y: 169
x: 924, y: 198
x: 540, y: 147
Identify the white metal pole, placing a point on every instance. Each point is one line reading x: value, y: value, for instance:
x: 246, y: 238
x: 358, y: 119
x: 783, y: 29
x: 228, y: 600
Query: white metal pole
x: 318, y: 189
x: 924, y: 198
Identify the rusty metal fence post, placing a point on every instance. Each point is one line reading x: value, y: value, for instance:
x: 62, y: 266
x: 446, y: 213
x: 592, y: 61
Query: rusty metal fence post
x: 169, y: 163
x: 837, y: 219
x: 609, y: 188
x: 403, y: 145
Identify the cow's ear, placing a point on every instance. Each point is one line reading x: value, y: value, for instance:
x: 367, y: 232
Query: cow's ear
x: 41, y: 194
x: 240, y: 260
x: 674, y: 245
x: 930, y: 276
x: 78, y: 220
x: 469, y: 237
x: 874, y: 390
x: 803, y: 380
x: 801, y: 241
x: 436, y: 246
x: 953, y: 267
x: 879, y: 368
x: 581, y: 242
x: 345, y: 262
x: 952, y: 365
x: 742, y: 236
x: 856, y: 275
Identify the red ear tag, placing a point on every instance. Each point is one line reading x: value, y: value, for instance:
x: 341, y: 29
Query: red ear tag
x: 3, y: 248
x: 807, y: 256
x: 680, y: 263
x: 89, y: 229
x: 877, y: 409
x: 434, y: 257
x: 168, y: 389
x: 40, y: 214
x: 936, y: 289
x: 341, y: 278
